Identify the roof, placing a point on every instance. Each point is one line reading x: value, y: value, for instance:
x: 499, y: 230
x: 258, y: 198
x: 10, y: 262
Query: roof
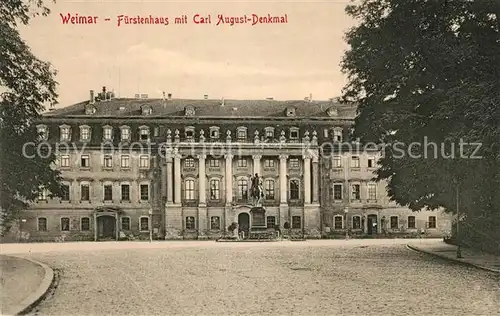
x: 126, y: 107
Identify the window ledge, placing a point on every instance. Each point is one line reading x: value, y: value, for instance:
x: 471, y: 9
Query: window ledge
x: 84, y: 168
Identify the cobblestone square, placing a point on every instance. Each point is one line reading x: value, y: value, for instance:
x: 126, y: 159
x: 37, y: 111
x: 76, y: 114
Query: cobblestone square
x: 355, y: 277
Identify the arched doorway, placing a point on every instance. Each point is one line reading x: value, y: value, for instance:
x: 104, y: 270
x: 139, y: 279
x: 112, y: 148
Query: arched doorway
x: 372, y: 224
x: 244, y: 223
x: 106, y: 227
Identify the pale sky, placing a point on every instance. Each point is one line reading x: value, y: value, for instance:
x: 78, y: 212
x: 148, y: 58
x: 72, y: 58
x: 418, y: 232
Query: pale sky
x: 283, y: 61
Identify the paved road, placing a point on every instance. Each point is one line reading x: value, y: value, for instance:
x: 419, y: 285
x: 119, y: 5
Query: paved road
x: 294, y: 278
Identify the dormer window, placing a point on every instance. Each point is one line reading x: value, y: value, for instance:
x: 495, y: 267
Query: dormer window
x: 42, y: 131
x: 337, y: 134
x: 84, y: 133
x: 146, y: 109
x: 214, y: 132
x: 90, y: 109
x: 189, y: 132
x: 294, y: 133
x: 269, y: 132
x: 241, y: 133
x: 290, y: 111
x: 189, y: 110
x: 65, y: 132
x: 332, y: 112
x: 144, y: 133
x: 124, y: 133
x: 107, y: 133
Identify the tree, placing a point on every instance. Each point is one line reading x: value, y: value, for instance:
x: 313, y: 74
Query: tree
x: 27, y: 86
x: 429, y: 71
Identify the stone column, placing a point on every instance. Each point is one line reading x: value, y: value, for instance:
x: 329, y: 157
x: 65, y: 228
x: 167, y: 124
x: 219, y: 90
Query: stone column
x: 178, y: 180
x: 307, y: 180
x: 169, y: 179
x: 315, y: 180
x: 256, y: 164
x: 229, y: 178
x: 283, y: 173
x: 202, y: 179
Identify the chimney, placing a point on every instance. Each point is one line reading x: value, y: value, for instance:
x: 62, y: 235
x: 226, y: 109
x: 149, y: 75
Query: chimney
x: 222, y: 101
x: 92, y: 98
x: 271, y: 98
x: 170, y: 96
x: 310, y: 97
x: 205, y: 97
x: 163, y: 95
x: 51, y: 107
x: 164, y: 103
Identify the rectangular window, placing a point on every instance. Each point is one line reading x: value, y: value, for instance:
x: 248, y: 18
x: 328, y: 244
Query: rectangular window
x: 325, y: 133
x: 242, y: 189
x: 190, y: 223
x: 144, y: 192
x: 65, y: 224
x: 338, y: 222
x: 356, y: 222
x: 432, y: 222
x: 411, y: 222
x: 85, y: 161
x: 84, y: 192
x: 189, y: 163
x: 144, y: 134
x: 242, y: 134
x: 125, y: 192
x: 269, y: 163
x: 85, y: 224
x: 108, y: 161
x: 144, y: 224
x: 214, y: 133
x: 107, y: 133
x: 64, y: 161
x: 84, y: 134
x: 371, y: 162
x: 42, y: 196
x: 214, y: 163
x: 271, y: 222
x: 269, y: 188
x: 394, y: 222
x: 269, y: 133
x: 294, y: 134
x: 65, y: 134
x: 125, y: 134
x: 65, y: 192
x: 125, y: 161
x: 42, y: 224
x: 214, y: 189
x: 354, y: 162
x: 355, y: 194
x: 337, y: 162
x: 242, y: 163
x: 144, y: 162
x: 337, y: 191
x: 337, y: 135
x: 294, y: 189
x: 108, y: 192
x: 296, y: 222
x: 215, y: 222
x: 294, y: 163
x: 125, y: 223
x: 189, y: 134
x: 372, y: 191
x: 189, y: 190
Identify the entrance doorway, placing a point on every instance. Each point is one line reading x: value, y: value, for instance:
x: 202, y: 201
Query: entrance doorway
x: 372, y: 224
x: 244, y: 223
x: 106, y: 227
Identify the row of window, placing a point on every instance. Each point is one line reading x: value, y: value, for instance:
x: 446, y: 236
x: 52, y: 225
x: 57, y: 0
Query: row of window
x: 293, y: 163
x: 355, y: 162
x: 107, y: 192
x: 189, y: 133
x: 355, y: 191
x: 243, y: 188
x: 338, y: 222
x: 144, y: 222
x: 107, y: 162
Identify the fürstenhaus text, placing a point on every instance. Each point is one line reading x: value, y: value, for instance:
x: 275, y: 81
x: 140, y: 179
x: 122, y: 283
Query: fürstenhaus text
x: 252, y: 19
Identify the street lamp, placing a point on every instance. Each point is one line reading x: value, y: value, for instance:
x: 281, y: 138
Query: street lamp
x: 150, y: 225
x: 459, y: 249
x: 346, y: 228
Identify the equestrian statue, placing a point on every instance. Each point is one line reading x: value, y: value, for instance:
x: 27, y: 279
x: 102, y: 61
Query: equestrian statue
x: 257, y: 191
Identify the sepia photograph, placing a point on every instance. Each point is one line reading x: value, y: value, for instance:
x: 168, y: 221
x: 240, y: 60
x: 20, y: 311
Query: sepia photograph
x: 285, y: 157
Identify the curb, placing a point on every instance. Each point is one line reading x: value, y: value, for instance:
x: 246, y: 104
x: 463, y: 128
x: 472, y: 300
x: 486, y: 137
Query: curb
x: 453, y: 259
x: 35, y: 297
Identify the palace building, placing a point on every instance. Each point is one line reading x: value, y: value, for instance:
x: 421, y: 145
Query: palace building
x: 182, y: 169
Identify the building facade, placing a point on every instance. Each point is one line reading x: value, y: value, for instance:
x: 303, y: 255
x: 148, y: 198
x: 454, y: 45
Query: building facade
x: 182, y: 169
